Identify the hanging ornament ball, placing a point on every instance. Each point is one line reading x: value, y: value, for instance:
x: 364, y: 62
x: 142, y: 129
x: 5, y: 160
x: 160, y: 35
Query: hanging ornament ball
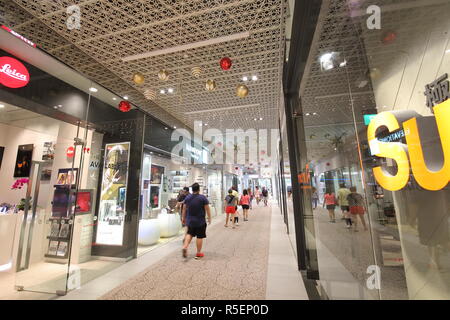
x: 375, y: 73
x: 242, y: 91
x: 210, y: 85
x: 150, y: 94
x: 225, y: 63
x: 138, y: 78
x: 124, y: 106
x: 196, y: 71
x: 163, y: 75
x: 388, y: 37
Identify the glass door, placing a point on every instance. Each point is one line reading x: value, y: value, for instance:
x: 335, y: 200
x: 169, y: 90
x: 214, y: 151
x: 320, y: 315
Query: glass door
x: 47, y: 211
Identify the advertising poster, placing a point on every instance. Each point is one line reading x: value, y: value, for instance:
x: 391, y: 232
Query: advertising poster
x: 157, y: 173
x: 111, y: 215
x: 23, y: 161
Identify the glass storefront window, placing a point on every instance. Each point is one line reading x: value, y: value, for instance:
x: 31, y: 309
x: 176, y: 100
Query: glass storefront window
x: 375, y: 108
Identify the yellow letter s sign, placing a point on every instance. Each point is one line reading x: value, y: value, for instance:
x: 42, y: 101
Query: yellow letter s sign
x: 394, y: 150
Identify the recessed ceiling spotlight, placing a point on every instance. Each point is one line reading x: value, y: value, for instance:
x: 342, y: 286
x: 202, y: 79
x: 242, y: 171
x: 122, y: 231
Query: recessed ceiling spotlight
x: 343, y: 63
x: 174, y: 127
x: 92, y: 89
x: 254, y: 78
x: 125, y: 97
x: 244, y: 78
x: 166, y: 128
x: 114, y: 98
x: 2, y: 106
x: 206, y: 124
x: 254, y: 119
x: 314, y: 113
x: 308, y: 114
x: 162, y: 91
x: 55, y: 107
x: 170, y: 90
x: 260, y: 119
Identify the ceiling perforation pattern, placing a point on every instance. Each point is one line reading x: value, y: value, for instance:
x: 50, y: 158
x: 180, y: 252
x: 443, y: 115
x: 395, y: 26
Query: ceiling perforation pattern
x: 113, y: 29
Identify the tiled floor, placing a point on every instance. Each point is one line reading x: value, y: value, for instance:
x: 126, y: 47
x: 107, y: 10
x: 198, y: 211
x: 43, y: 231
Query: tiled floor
x: 274, y: 277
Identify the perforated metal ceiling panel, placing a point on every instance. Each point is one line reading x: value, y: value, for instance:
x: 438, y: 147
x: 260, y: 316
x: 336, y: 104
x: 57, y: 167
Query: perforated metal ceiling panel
x: 115, y: 29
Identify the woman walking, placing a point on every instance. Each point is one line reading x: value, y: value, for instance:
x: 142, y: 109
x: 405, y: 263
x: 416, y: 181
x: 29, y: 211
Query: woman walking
x: 250, y: 193
x: 230, y: 208
x: 329, y: 199
x: 315, y: 197
x: 244, y: 202
x: 257, y: 195
x: 357, y: 208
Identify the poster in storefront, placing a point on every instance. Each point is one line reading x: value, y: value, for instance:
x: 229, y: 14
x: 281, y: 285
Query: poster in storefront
x: 23, y: 161
x: 112, y: 209
x: 156, y: 174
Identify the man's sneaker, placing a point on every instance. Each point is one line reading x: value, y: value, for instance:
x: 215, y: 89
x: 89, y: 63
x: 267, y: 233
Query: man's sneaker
x: 199, y: 255
x: 184, y: 252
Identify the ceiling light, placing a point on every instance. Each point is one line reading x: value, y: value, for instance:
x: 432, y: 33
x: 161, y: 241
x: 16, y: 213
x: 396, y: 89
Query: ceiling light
x: 55, y: 107
x: 114, y: 98
x: 166, y: 128
x: 448, y: 51
x: 254, y: 119
x: 125, y: 97
x: 206, y: 124
x: 170, y: 90
x: 92, y: 89
x: 254, y: 78
x: 2, y: 106
x: 225, y: 108
x: 162, y: 91
x: 174, y: 127
x: 314, y: 113
x: 343, y: 63
x: 188, y: 46
x: 260, y: 119
x: 244, y: 78
x: 308, y: 114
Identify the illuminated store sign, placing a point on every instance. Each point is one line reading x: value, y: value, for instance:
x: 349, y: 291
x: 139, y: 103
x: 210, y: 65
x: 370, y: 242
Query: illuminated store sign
x: 19, y: 36
x: 434, y: 176
x: 13, y: 74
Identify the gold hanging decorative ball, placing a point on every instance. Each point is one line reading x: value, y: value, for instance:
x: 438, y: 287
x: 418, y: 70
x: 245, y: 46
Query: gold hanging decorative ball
x: 138, y: 78
x: 242, y: 91
x: 163, y: 75
x: 150, y: 94
x: 196, y: 71
x: 210, y: 85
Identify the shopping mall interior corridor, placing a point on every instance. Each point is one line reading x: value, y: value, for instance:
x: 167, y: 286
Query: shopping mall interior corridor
x: 253, y: 261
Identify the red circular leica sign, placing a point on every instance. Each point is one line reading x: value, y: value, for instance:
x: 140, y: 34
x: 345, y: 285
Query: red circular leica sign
x: 70, y: 152
x: 13, y: 73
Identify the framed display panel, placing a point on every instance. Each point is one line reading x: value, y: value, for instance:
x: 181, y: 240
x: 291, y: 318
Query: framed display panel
x: 156, y: 175
x: 111, y: 215
x: 23, y: 161
x: 67, y: 177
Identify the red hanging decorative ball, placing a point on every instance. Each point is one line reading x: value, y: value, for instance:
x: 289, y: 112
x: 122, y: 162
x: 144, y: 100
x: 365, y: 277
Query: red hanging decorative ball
x: 124, y: 106
x: 225, y: 63
x: 389, y: 37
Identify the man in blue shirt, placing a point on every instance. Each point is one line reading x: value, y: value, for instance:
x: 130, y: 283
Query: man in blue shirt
x: 194, y: 209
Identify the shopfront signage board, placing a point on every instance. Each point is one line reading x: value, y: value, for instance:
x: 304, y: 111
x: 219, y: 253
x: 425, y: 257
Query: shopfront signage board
x: 13, y: 74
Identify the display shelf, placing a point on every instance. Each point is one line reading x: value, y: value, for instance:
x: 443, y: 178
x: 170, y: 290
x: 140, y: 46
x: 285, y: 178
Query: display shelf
x: 55, y: 256
x: 58, y: 238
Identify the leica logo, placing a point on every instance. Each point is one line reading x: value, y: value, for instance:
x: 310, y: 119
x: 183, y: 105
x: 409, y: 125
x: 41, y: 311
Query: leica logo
x: 13, y: 73
x: 6, y: 68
